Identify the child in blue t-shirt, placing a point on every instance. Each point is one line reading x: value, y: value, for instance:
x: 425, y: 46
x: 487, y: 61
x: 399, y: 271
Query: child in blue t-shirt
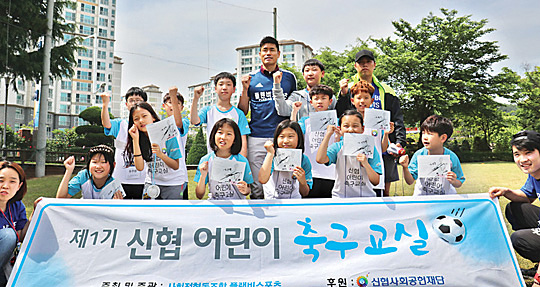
x: 95, y: 181
x: 226, y: 143
x: 285, y: 184
x: 436, y: 130
x: 356, y: 175
x: 225, y: 84
x: 161, y: 162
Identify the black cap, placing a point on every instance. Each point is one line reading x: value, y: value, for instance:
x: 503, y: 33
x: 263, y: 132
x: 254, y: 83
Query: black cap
x: 364, y: 53
x: 527, y: 135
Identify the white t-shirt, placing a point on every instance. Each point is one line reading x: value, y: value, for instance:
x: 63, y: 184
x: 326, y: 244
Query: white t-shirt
x: 209, y: 115
x: 162, y: 174
x: 312, y: 141
x: 122, y: 172
x: 378, y: 136
x: 282, y: 185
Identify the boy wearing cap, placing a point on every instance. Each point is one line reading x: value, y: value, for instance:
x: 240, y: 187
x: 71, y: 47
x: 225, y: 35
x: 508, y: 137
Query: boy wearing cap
x: 522, y: 215
x: 313, y: 72
x: 384, y: 98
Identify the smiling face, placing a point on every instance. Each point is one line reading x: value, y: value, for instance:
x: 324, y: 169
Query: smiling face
x: 224, y: 138
x: 9, y: 184
x: 351, y: 124
x: 269, y: 54
x: 320, y: 102
x: 313, y: 75
x: 142, y: 118
x: 362, y: 101
x: 287, y: 138
x: 527, y: 161
x: 99, y: 167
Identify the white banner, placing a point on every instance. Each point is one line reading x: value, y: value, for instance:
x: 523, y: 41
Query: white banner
x: 399, y: 241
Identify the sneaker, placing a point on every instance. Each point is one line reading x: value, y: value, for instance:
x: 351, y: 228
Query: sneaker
x: 529, y: 273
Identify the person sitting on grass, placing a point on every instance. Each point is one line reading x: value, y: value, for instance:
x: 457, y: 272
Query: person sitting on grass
x: 520, y: 212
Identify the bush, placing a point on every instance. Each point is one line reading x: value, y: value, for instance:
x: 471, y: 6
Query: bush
x: 198, y: 149
x: 484, y: 156
x: 63, y: 140
x: 89, y: 129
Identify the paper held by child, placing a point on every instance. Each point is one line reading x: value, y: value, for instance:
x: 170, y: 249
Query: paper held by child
x: 225, y: 170
x: 377, y: 119
x: 286, y: 159
x: 433, y: 165
x: 162, y: 131
x: 353, y: 144
x: 320, y: 120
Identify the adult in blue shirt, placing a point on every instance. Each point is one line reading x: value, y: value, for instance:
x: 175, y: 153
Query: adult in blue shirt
x: 257, y: 95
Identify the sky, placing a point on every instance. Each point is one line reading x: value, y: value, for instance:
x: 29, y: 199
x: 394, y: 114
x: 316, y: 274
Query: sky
x: 182, y: 43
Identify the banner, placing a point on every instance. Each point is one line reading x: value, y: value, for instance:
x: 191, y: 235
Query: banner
x: 446, y: 240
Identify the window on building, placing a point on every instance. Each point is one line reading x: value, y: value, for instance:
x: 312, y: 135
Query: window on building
x: 88, y: 42
x: 112, y: 23
x: 100, y: 77
x: 20, y: 99
x: 85, y: 87
x: 85, y: 64
x: 63, y: 120
x: 288, y: 48
x: 82, y: 98
x: 102, y: 43
x: 88, y: 8
x: 288, y: 58
x: 104, y: 2
x: 65, y: 85
x: 247, y: 52
x: 64, y: 109
x: 103, y: 22
x: 84, y: 75
x: 19, y: 114
x: 87, y: 19
x: 247, y: 61
x: 85, y: 53
x: 70, y: 16
x: 102, y: 55
x: 103, y: 11
x: 101, y: 65
x: 65, y: 97
x: 246, y: 70
x: 86, y: 30
x: 102, y: 32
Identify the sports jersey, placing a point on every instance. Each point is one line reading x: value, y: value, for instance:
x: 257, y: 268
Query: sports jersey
x: 312, y: 141
x: 123, y: 173
x: 352, y: 179
x: 82, y: 182
x: 264, y: 117
x: 223, y: 190
x: 282, y: 185
x: 15, y: 215
x: 435, y: 185
x: 209, y: 115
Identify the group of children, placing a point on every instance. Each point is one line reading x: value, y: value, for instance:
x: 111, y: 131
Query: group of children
x: 139, y: 169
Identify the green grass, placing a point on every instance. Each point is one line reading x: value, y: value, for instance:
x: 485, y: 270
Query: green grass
x: 479, y: 178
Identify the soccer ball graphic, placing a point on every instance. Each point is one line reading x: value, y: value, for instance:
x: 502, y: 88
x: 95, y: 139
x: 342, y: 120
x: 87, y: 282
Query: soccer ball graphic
x: 449, y: 229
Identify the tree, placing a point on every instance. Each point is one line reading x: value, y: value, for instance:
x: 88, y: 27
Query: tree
x: 24, y: 22
x: 198, y: 148
x: 528, y: 101
x: 92, y: 134
x: 442, y: 66
x: 300, y: 82
x: 63, y: 140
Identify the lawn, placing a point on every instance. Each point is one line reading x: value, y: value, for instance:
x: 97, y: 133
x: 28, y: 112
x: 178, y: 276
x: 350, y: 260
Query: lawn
x: 479, y: 178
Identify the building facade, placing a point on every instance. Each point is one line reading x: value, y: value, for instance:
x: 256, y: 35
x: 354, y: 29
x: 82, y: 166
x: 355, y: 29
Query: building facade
x: 96, y: 70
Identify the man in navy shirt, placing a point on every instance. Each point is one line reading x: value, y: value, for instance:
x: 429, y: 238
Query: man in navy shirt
x: 257, y: 96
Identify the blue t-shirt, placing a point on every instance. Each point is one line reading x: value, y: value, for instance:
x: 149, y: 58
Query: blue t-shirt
x: 531, y: 187
x: 15, y: 215
x: 264, y: 117
x: 223, y: 190
x: 282, y: 185
x: 83, y: 183
x: 435, y: 186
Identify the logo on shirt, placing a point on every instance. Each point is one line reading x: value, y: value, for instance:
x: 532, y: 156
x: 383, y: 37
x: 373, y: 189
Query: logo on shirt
x: 259, y: 85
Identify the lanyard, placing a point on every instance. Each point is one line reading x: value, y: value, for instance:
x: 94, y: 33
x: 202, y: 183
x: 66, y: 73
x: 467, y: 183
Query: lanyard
x: 10, y: 220
x: 153, y: 170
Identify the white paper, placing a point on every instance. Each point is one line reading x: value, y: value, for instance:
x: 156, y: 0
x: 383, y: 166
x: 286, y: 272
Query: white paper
x: 162, y: 131
x: 226, y: 170
x: 320, y: 120
x: 377, y: 119
x: 286, y: 159
x: 353, y: 144
x: 110, y: 189
x: 433, y: 165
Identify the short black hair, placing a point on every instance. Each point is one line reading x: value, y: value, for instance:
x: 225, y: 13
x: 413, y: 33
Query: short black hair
x: 178, y: 96
x: 106, y: 151
x: 313, y: 62
x: 237, y: 144
x: 351, y: 113
x: 321, y: 89
x: 526, y: 140
x: 136, y: 91
x: 438, y: 124
x: 269, y: 40
x: 293, y: 125
x: 224, y: 75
